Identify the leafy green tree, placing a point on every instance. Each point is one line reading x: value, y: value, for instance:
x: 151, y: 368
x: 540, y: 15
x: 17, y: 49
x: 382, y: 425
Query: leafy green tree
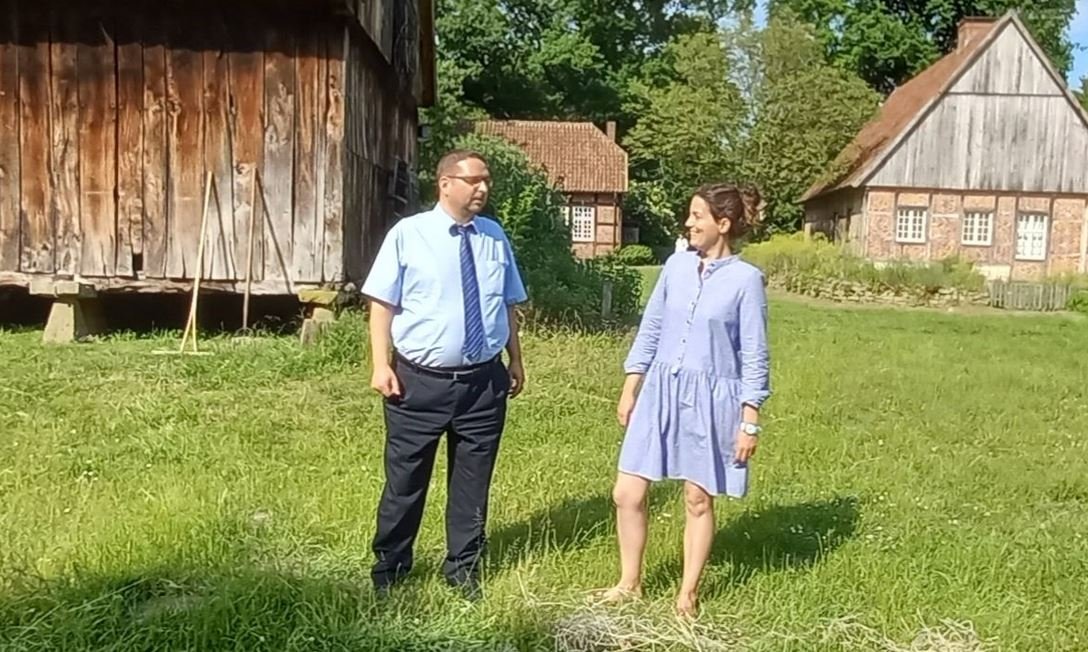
x: 888, y: 41
x: 803, y: 112
x: 749, y: 105
x: 561, y: 59
x: 691, y: 126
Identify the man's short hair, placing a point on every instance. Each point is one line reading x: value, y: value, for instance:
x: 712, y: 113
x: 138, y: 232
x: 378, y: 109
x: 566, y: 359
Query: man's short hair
x: 451, y: 159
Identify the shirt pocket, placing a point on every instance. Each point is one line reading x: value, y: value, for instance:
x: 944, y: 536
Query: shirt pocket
x: 492, y: 275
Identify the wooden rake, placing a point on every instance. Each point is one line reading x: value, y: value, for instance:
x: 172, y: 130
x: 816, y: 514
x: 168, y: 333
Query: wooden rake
x: 190, y: 332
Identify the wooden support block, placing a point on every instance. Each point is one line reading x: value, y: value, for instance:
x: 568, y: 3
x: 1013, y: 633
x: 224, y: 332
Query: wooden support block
x: 62, y: 288
x: 318, y: 297
x: 72, y: 319
x: 311, y: 330
x: 323, y: 315
x: 319, y: 313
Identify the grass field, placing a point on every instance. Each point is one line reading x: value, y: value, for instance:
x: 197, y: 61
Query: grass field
x: 923, y: 476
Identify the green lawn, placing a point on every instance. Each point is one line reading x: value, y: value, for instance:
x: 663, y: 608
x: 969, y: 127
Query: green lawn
x: 648, y: 277
x: 922, y: 474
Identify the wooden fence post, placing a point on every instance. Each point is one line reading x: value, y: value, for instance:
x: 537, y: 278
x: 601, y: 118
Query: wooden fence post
x: 606, y: 299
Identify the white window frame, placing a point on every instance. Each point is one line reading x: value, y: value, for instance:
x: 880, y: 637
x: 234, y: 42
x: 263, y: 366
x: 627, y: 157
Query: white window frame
x: 905, y: 219
x: 978, y: 229
x: 583, y: 223
x: 1041, y: 221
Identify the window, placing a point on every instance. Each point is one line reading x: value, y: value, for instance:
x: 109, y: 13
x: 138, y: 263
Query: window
x: 978, y: 229
x: 1031, y: 231
x: 910, y: 225
x: 583, y: 223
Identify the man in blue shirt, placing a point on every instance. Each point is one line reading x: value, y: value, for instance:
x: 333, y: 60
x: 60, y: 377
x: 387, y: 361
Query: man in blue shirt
x: 443, y: 291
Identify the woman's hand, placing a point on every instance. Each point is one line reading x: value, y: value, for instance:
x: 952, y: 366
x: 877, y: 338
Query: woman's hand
x: 631, y: 385
x: 626, y: 406
x: 745, y: 447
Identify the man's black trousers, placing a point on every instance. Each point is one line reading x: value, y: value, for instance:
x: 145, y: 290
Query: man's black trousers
x: 469, y: 406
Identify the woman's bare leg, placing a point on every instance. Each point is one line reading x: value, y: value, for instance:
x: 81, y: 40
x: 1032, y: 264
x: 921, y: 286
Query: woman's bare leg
x: 698, y: 537
x: 629, y: 496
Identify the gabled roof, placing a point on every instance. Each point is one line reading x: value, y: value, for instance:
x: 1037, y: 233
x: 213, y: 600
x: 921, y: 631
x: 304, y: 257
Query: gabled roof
x: 577, y: 156
x: 908, y: 105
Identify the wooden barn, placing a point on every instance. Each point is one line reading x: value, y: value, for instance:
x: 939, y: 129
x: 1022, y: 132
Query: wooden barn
x: 587, y: 164
x: 115, y: 113
x: 983, y: 156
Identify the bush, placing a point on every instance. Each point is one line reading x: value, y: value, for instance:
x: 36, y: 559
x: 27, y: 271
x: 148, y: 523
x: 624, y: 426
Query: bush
x: 648, y: 206
x: 562, y: 289
x: 1078, y: 302
x: 637, y: 255
x: 799, y: 264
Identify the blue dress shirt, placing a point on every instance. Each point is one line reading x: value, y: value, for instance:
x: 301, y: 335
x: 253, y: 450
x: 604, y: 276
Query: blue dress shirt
x: 418, y: 273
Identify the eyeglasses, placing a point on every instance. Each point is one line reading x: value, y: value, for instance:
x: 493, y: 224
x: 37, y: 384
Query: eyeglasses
x: 471, y: 180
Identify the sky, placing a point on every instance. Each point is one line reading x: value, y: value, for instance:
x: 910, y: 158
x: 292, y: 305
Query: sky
x: 1078, y: 34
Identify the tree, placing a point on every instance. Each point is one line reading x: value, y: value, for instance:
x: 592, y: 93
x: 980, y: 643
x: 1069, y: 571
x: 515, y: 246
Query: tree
x: 755, y: 106
x: 560, y: 59
x: 888, y: 41
x: 1083, y: 94
x: 690, y: 126
x: 803, y: 112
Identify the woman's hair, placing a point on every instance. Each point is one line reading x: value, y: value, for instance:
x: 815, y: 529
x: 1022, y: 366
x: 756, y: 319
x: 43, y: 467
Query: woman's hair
x: 740, y: 205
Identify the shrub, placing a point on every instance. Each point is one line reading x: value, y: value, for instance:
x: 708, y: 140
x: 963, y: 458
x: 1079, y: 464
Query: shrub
x: 562, y: 289
x: 801, y: 264
x: 1078, y: 302
x: 637, y: 255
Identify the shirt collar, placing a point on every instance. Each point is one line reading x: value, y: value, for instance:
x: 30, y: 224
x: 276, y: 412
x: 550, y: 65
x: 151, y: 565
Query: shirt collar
x: 712, y: 265
x: 441, y: 214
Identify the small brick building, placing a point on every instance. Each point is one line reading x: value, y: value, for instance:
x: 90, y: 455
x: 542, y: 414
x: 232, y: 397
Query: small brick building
x: 589, y: 167
x: 984, y: 156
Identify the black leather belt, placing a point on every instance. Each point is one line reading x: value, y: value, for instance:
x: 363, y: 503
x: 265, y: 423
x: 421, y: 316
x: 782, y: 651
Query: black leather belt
x: 452, y: 373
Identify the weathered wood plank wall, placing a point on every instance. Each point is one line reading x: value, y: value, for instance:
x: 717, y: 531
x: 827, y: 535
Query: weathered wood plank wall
x: 1006, y: 125
x: 116, y: 117
x: 379, y: 132
x: 37, y: 228
x: 130, y: 146
x: 9, y: 125
x: 95, y: 70
x: 64, y: 143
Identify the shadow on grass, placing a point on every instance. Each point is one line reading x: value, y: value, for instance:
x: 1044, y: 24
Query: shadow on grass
x: 170, y: 607
x: 569, y: 525
x: 776, y: 538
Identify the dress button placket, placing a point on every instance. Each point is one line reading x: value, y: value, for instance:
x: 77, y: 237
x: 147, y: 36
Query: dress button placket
x: 691, y: 316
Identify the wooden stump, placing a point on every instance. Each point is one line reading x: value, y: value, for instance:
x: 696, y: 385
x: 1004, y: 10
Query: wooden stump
x: 319, y: 313
x: 76, y: 313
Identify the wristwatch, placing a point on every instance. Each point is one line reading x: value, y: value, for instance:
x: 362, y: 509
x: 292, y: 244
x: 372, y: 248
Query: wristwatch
x: 750, y: 429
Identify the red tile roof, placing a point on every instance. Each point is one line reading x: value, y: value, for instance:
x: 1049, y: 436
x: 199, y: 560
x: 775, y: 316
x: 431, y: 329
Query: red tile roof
x: 577, y: 156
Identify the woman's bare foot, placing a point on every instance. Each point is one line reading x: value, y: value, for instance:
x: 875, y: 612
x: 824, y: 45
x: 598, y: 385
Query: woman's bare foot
x: 687, y: 604
x: 617, y: 594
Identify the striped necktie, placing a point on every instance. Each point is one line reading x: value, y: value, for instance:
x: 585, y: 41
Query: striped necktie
x: 474, y: 322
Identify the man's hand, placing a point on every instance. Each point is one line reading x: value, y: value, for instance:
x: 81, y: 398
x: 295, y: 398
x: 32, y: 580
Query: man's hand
x: 384, y: 380
x: 517, y: 377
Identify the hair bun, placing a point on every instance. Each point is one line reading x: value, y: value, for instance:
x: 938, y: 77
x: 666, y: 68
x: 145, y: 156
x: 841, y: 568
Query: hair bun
x: 753, y: 204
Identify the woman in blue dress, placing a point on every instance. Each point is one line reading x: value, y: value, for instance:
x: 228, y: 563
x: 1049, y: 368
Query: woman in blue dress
x: 697, y: 375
